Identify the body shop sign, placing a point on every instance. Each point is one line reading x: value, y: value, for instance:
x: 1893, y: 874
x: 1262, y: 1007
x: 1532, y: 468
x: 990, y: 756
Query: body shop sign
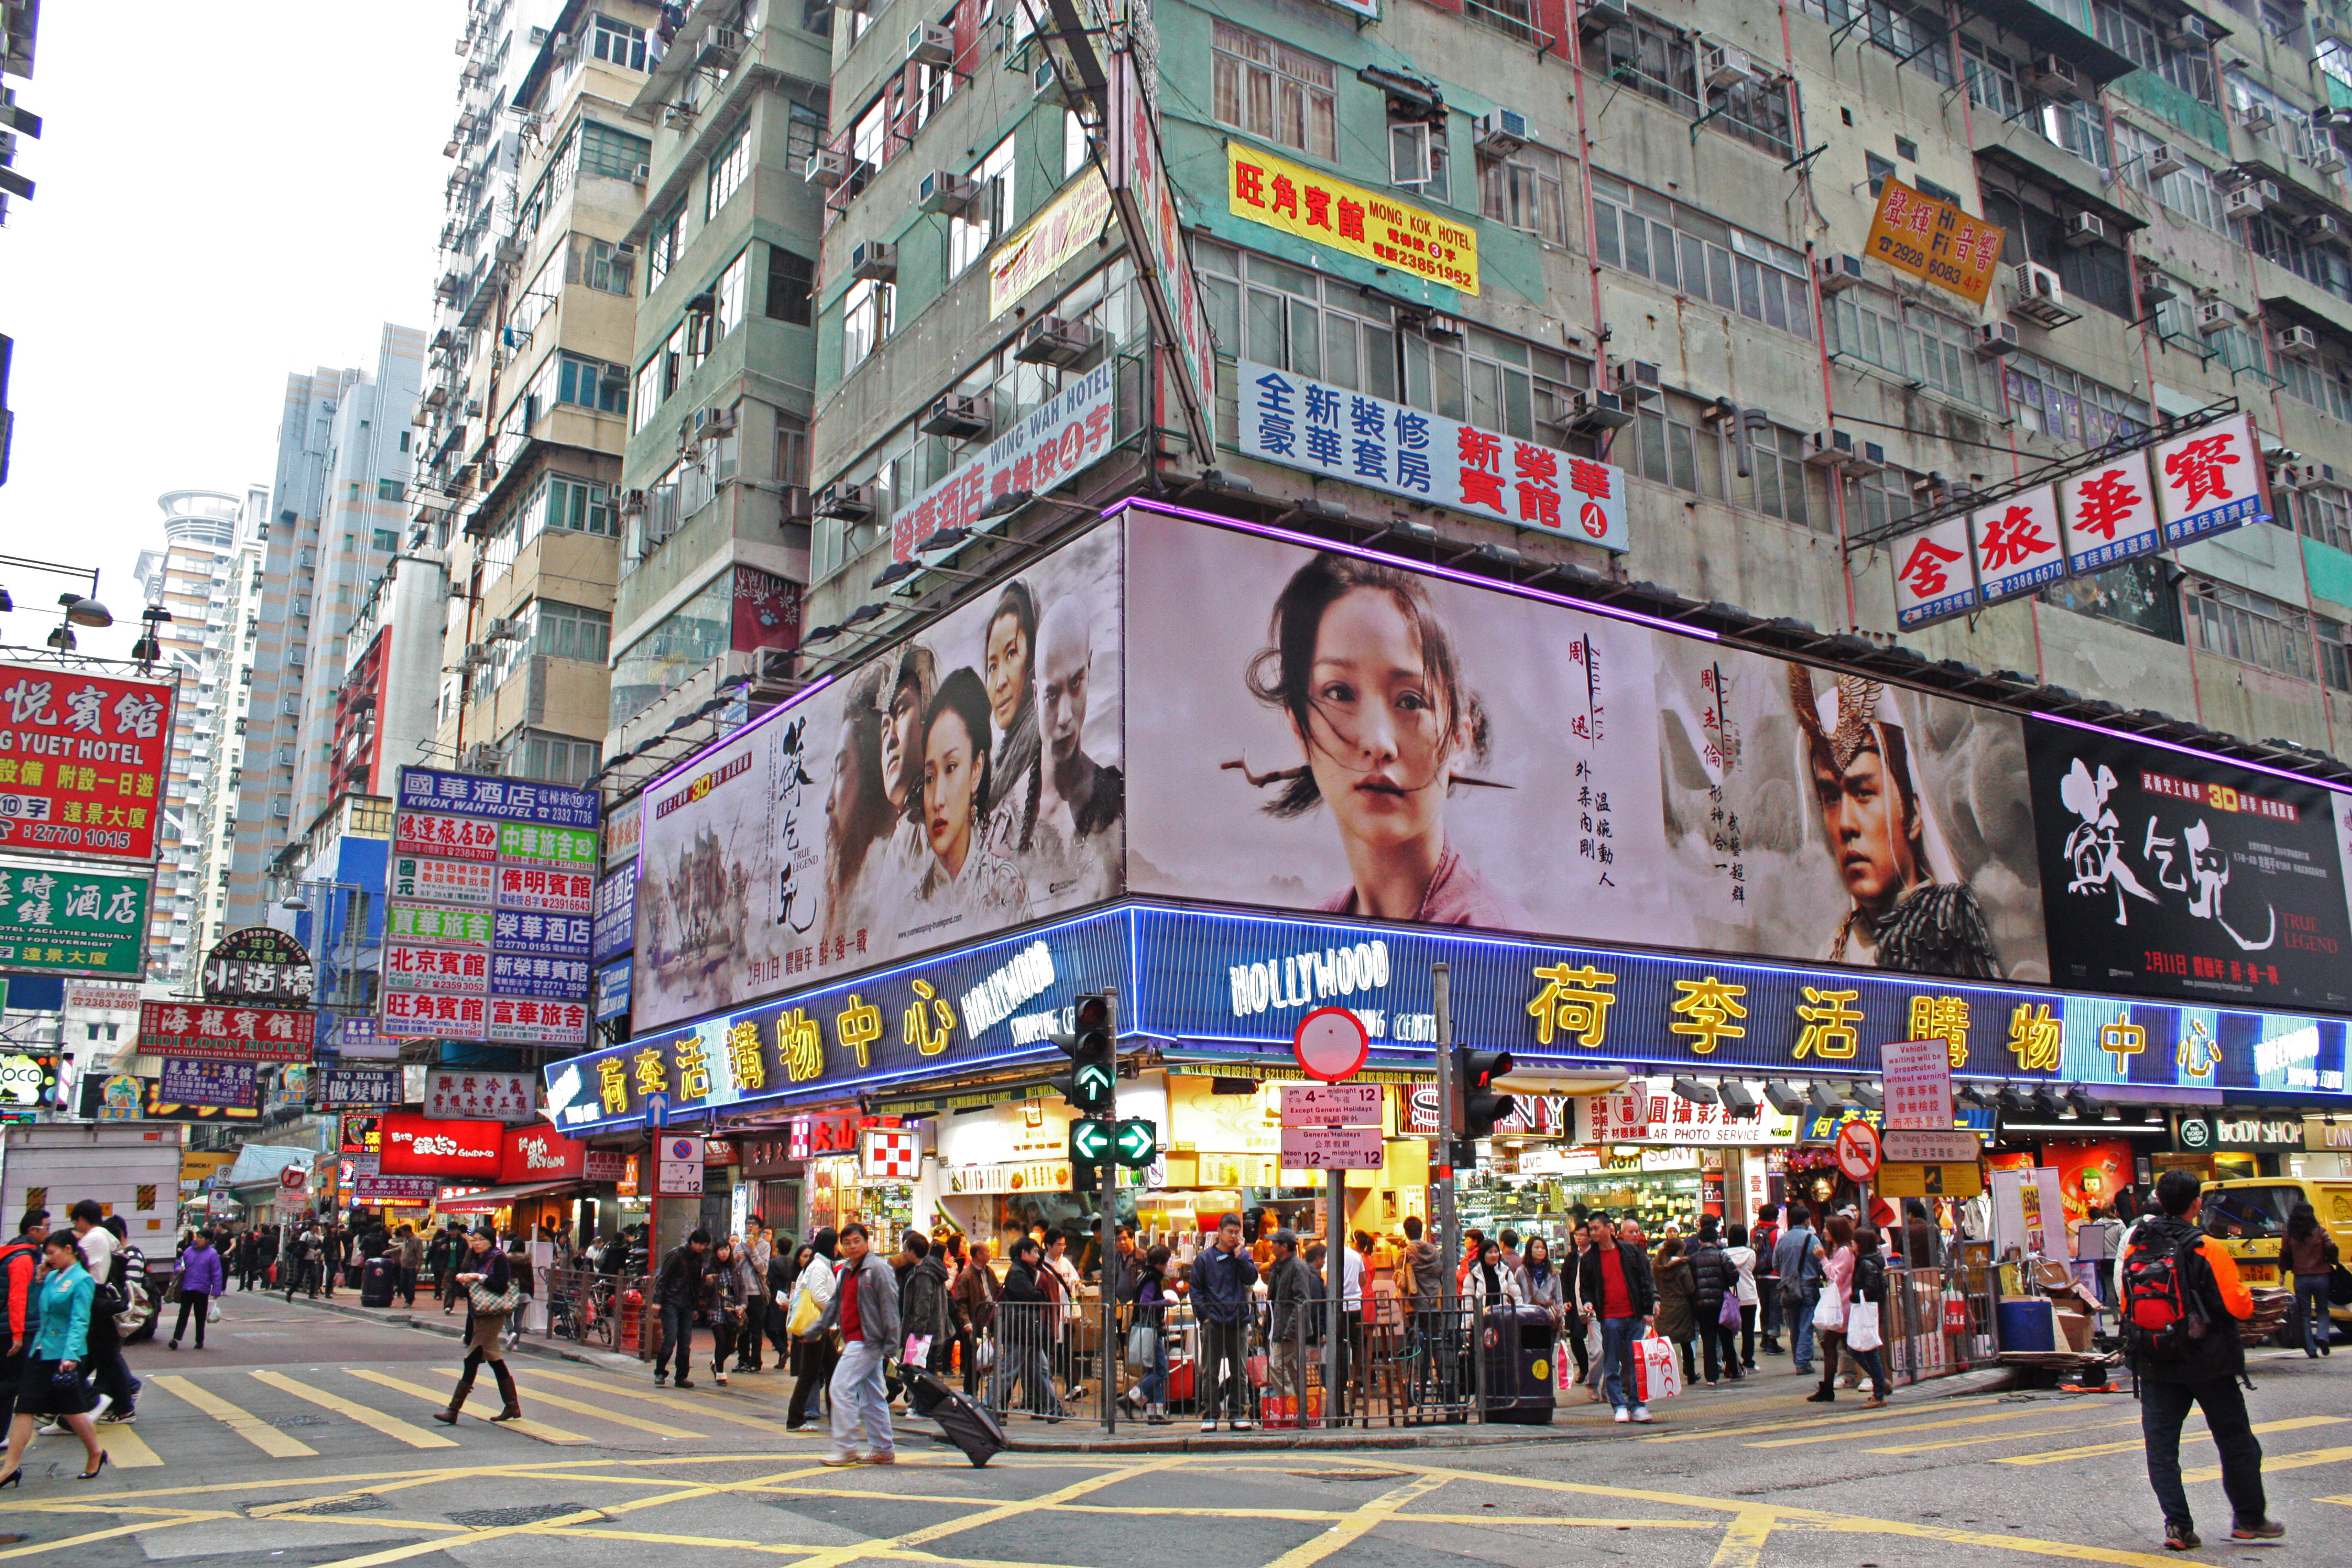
x: 82, y: 760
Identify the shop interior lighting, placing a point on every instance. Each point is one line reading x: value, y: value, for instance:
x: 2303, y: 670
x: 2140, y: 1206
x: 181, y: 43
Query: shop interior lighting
x: 1868, y: 1097
x: 1783, y: 1098
x: 1696, y: 1092
x: 1736, y: 1098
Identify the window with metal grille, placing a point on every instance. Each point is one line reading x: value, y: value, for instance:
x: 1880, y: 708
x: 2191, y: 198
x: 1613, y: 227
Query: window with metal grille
x: 2130, y: 32
x: 2251, y: 627
x: 605, y: 151
x: 1915, y: 34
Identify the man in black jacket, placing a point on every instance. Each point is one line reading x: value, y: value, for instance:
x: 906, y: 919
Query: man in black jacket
x: 923, y: 1299
x: 1614, y: 1282
x: 1714, y: 1277
x: 2198, y: 1366
x: 678, y: 1290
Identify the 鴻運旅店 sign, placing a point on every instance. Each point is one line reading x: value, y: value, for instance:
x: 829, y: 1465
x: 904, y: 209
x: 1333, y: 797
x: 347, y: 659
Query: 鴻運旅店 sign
x: 1305, y: 424
x: 1311, y: 204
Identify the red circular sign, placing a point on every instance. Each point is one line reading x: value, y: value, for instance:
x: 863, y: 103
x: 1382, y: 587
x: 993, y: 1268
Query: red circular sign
x: 1331, y: 1044
x: 1595, y: 519
x: 294, y: 1178
x: 1857, y: 1150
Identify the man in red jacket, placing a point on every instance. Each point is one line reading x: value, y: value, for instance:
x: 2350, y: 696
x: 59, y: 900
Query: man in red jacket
x: 20, y: 1274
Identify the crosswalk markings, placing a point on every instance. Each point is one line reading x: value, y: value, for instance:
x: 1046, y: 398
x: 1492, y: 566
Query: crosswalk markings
x: 1919, y: 1426
x: 1867, y: 1417
x: 2002, y: 1437
x: 407, y: 1432
x: 538, y: 1429
x: 770, y: 1425
x: 602, y: 1413
x: 245, y: 1424
x: 125, y: 1449
x: 2271, y: 1462
x: 2058, y: 1456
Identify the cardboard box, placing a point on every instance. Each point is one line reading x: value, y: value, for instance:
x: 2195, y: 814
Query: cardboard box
x: 2075, y: 1331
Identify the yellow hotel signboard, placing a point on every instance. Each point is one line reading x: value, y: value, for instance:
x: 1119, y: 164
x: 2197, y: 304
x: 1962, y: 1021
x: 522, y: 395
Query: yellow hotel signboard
x: 1329, y: 211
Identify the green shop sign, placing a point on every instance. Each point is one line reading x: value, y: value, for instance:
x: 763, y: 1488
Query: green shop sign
x: 55, y: 921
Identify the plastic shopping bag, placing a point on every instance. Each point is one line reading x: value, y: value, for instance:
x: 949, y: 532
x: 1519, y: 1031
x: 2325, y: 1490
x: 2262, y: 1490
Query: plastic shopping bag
x: 1861, y: 1326
x: 1827, y: 1315
x: 1657, y: 1371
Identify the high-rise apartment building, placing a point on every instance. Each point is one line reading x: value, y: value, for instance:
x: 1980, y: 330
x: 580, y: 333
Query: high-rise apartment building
x: 20, y: 26
x: 203, y: 579
x: 526, y: 410
x: 715, y: 505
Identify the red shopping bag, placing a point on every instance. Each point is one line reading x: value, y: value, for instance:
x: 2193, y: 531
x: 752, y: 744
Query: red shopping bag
x: 1657, y: 1371
x: 1279, y: 1411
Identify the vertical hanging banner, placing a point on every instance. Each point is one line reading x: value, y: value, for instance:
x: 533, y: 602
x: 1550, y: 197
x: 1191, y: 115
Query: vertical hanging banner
x: 82, y: 763
x: 2110, y: 513
x: 1935, y: 576
x: 1147, y: 213
x: 489, y: 921
x: 2212, y: 480
x: 2018, y: 544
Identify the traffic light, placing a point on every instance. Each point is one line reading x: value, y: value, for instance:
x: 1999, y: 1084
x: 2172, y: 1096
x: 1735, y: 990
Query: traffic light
x: 1091, y: 1148
x: 1481, y: 1107
x: 1093, y: 1050
x: 1136, y: 1140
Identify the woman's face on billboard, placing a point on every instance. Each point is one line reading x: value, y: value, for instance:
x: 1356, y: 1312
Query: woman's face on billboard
x: 1007, y: 667
x: 1379, y: 743
x: 951, y: 781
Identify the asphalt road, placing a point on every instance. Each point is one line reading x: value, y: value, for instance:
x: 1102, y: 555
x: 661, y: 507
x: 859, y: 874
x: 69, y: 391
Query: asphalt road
x: 303, y: 1439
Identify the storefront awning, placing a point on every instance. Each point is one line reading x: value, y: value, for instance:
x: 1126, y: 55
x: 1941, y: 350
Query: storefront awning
x: 484, y: 1200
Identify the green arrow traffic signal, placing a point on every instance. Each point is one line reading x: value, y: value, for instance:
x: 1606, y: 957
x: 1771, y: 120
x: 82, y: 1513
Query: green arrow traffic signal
x: 1093, y: 1050
x: 1090, y: 1141
x: 1138, y: 1141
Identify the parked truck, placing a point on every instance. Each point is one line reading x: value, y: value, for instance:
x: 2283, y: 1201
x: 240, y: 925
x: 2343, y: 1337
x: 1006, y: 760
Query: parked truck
x: 132, y: 1168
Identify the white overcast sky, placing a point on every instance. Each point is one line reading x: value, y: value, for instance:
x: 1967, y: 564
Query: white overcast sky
x: 223, y: 196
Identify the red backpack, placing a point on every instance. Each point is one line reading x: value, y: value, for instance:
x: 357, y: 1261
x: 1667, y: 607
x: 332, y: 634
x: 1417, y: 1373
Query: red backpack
x: 2161, y: 1321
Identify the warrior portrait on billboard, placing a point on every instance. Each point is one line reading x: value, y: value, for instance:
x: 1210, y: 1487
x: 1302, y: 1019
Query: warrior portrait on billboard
x: 1880, y: 839
x: 1385, y: 719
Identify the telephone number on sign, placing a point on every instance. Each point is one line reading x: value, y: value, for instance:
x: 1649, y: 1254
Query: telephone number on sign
x: 53, y: 833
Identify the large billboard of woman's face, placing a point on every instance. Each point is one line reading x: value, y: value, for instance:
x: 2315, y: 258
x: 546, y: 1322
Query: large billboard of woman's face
x: 968, y: 781
x: 1320, y: 731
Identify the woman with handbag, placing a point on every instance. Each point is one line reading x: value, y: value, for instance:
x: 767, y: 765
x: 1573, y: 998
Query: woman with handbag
x: 725, y: 1286
x: 1830, y: 1313
x: 1864, y: 1319
x: 1146, y: 1339
x: 813, y: 1360
x: 51, y: 1385
x: 199, y: 1279
x: 490, y: 1298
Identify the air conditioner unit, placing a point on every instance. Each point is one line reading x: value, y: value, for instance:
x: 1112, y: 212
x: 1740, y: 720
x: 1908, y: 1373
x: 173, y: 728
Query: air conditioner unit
x: 2155, y: 288
x: 2246, y: 201
x: 508, y: 252
x: 481, y: 757
x: 1838, y: 272
x: 633, y: 503
x: 1442, y: 327
x: 710, y: 423
x: 1502, y: 133
x: 2085, y: 228
x: 1056, y: 341
x: 1598, y: 16
x: 792, y: 504
x: 1867, y: 458
x: 942, y: 191
x: 930, y: 44
x: 828, y: 166
x: 2039, y: 295
x: 1828, y: 448
x: 2213, y: 316
x: 2296, y: 342
x: 2258, y: 118
x: 876, y: 260
x: 642, y: 174
x: 278, y: 808
x: 1599, y: 410
x: 1722, y: 65
x: 1634, y: 379
x: 959, y: 416
x: 2269, y: 191
x: 2162, y: 161
x: 722, y: 46
x: 2329, y: 161
x: 2191, y: 32
x: 504, y: 630
x: 1995, y: 337
x: 477, y: 653
x: 846, y: 503
x: 2055, y: 78
x: 2321, y: 226
x: 473, y: 408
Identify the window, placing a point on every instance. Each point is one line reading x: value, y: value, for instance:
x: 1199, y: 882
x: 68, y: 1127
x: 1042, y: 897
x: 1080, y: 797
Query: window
x: 1274, y: 93
x: 599, y: 264
x: 617, y: 43
x: 1419, y: 160
x: 728, y: 170
x: 2130, y: 32
x: 2322, y: 512
x: 387, y: 539
x: 1700, y: 256
x: 2069, y: 406
x: 2138, y: 594
x: 1076, y: 142
x: 592, y: 384
x: 550, y: 759
x: 2187, y: 190
x: 1912, y: 342
x: 2293, y: 129
x: 804, y: 134
x: 1914, y: 34
x: 2249, y: 627
x: 865, y: 320
x: 2321, y: 264
x: 2093, y: 273
x: 1656, y: 60
x: 970, y: 234
x: 1523, y: 191
x: 568, y: 631
x: 661, y: 250
x: 1877, y: 170
x: 1676, y: 446
x: 404, y: 441
x: 1512, y: 18
x: 2322, y: 380
x: 390, y: 489
x: 573, y: 506
x: 729, y: 290
x: 791, y: 279
x: 605, y: 151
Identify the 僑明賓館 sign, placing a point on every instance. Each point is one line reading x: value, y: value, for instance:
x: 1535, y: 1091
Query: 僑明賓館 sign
x: 1239, y: 984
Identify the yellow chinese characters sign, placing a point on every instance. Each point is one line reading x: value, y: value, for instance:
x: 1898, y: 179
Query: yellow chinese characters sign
x: 1313, y: 205
x: 1936, y: 241
x: 1070, y: 223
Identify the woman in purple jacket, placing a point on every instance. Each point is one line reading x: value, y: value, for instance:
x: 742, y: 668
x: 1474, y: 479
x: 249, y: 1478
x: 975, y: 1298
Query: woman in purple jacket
x: 200, y: 1280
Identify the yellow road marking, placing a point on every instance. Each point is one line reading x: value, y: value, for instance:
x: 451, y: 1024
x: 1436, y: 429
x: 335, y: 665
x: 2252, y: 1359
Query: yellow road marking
x: 544, y: 1433
x: 2033, y: 1437
x: 2093, y: 1450
x: 772, y: 1425
x: 835, y: 1557
x: 1743, y: 1542
x: 1873, y: 1417
x: 108, y: 1534
x: 245, y: 1424
x: 2302, y: 1462
x: 581, y: 1408
x: 415, y: 1437
x: 126, y: 1450
x: 1886, y: 1431
x: 1358, y: 1524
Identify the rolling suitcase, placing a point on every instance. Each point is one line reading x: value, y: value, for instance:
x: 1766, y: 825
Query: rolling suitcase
x: 967, y: 1426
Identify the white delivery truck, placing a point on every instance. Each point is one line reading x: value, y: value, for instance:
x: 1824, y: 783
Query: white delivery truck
x: 132, y: 1168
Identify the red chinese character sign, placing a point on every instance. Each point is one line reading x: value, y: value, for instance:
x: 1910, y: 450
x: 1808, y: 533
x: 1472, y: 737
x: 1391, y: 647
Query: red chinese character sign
x: 2019, y: 544
x: 1935, y: 575
x: 1062, y: 435
x: 2211, y: 480
x: 2109, y: 512
x: 1305, y: 424
x: 82, y: 763
x: 203, y: 1031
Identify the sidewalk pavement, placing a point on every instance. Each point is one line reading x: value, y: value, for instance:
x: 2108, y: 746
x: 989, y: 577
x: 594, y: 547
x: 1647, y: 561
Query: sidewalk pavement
x: 1770, y: 1393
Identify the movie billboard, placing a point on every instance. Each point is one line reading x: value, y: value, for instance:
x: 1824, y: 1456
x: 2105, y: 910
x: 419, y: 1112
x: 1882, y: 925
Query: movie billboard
x: 1325, y: 732
x: 967, y: 780
x: 2169, y: 874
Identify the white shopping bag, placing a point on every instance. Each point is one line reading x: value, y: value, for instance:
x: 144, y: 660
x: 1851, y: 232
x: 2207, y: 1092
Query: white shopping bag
x: 1657, y: 1370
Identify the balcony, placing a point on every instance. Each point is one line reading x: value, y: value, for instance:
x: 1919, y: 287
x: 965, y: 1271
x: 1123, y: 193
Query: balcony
x: 2060, y: 27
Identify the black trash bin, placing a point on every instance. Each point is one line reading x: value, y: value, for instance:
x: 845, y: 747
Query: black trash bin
x: 1518, y: 1344
x: 377, y: 1277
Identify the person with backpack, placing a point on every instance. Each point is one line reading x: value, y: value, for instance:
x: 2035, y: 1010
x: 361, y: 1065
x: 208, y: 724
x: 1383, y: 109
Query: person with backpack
x: 2182, y: 1301
x: 1797, y: 1259
x: 20, y: 1294
x: 2310, y: 1256
x: 1763, y: 1239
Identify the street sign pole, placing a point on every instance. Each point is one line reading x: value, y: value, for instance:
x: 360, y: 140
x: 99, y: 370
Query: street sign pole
x: 1334, y: 1267
x: 1107, y: 1238
x: 1442, y: 1197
